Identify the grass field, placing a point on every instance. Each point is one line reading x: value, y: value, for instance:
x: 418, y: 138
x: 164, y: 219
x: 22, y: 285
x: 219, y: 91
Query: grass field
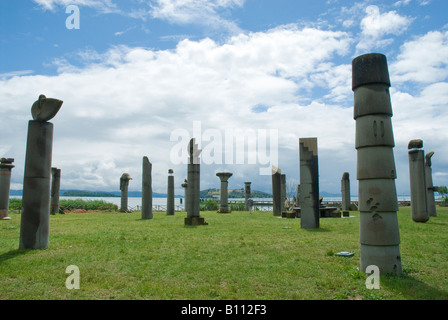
x: 237, y: 256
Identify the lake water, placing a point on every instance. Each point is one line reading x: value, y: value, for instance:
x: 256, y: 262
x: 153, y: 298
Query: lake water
x: 134, y: 203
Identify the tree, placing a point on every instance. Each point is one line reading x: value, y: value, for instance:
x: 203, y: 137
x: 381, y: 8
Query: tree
x: 443, y: 191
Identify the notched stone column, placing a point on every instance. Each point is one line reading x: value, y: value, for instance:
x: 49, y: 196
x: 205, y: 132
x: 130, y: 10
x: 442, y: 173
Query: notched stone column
x: 309, y: 183
x: 417, y: 179
x: 378, y: 228
x: 35, y: 222
x: 430, y: 189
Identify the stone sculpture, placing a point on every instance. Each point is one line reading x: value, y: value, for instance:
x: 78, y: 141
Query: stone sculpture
x: 378, y: 231
x: 55, y: 189
x: 224, y: 203
x: 430, y: 189
x: 276, y: 192
x: 170, y: 194
x: 417, y: 179
x: 147, y: 189
x: 193, y: 189
x: 309, y: 183
x: 124, y: 185
x: 345, y: 191
x: 5, y: 184
x: 246, y: 194
x: 35, y: 222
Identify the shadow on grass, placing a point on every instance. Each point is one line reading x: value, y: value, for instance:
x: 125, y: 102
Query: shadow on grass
x: 317, y: 230
x: 12, y: 254
x: 412, y: 288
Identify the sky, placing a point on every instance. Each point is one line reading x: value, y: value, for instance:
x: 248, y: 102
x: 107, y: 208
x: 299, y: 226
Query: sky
x: 141, y: 77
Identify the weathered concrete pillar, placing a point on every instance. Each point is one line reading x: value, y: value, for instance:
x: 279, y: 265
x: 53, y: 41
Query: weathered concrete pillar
x: 298, y: 194
x: 282, y: 192
x: 170, y: 194
x: 378, y: 230
x: 417, y: 179
x: 124, y: 184
x: 185, y: 186
x: 246, y: 194
x: 193, y: 189
x: 276, y: 191
x: 430, y: 189
x: 147, y: 189
x: 224, y: 201
x: 5, y: 185
x: 35, y: 221
x: 55, y: 189
x: 309, y: 183
x: 345, y: 191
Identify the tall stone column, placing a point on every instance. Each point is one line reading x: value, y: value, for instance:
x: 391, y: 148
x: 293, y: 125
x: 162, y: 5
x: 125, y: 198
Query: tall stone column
x: 309, y: 183
x: 345, y: 191
x: 431, y: 201
x: 124, y: 185
x: 224, y: 201
x: 147, y: 189
x: 193, y: 189
x: 246, y: 193
x: 417, y: 179
x: 170, y: 194
x: 276, y: 191
x: 282, y: 192
x: 5, y: 185
x: 55, y: 189
x: 378, y: 230
x: 185, y: 186
x: 35, y: 222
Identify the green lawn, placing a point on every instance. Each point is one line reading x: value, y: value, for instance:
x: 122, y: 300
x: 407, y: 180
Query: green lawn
x: 236, y: 256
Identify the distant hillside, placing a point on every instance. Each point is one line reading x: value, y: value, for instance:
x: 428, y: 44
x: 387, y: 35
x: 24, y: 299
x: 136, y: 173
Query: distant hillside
x: 235, y: 193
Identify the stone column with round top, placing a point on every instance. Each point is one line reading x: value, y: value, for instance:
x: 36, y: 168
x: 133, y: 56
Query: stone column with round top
x: 378, y: 227
x: 124, y: 185
x: 170, y: 194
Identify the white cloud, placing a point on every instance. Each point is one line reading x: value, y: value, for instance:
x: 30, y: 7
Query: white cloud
x: 423, y: 60
x: 105, y: 6
x: 376, y: 25
x: 203, y: 12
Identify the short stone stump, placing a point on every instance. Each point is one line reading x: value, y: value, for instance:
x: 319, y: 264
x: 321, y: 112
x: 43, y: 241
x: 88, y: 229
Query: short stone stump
x: 195, y: 221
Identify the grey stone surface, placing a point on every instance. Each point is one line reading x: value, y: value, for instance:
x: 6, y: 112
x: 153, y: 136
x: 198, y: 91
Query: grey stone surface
x: 417, y: 179
x: 170, y: 194
x: 345, y: 191
x: 146, y: 189
x: 224, y: 199
x: 282, y: 192
x: 124, y: 185
x: 246, y: 193
x: 193, y: 189
x: 276, y: 191
x: 379, y: 234
x: 5, y: 184
x: 431, y: 201
x: 55, y: 189
x: 35, y: 221
x: 309, y: 183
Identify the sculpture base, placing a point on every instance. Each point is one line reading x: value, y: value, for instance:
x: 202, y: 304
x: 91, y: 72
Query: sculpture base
x: 195, y: 221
